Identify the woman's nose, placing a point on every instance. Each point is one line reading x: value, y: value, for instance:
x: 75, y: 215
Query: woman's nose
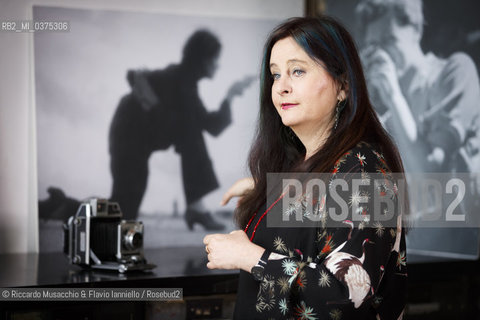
x: 283, y: 86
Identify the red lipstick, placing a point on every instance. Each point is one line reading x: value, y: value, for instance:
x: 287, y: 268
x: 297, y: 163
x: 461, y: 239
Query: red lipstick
x: 286, y: 106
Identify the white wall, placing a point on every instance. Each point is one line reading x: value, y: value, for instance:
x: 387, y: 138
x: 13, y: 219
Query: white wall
x: 18, y: 182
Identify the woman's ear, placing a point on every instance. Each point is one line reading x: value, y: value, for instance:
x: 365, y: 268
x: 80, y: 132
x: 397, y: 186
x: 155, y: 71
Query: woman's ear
x: 343, y: 89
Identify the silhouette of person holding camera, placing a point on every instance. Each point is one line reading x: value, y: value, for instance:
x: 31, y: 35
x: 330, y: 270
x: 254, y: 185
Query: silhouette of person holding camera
x: 164, y: 109
x: 430, y: 103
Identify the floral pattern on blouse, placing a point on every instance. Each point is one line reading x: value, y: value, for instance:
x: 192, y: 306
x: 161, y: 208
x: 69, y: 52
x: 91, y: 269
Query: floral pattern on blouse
x: 357, y: 271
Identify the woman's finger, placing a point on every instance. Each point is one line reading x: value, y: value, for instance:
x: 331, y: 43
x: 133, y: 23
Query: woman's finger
x: 226, y: 197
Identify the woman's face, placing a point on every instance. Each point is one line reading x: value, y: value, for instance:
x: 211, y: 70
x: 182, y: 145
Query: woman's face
x: 303, y: 92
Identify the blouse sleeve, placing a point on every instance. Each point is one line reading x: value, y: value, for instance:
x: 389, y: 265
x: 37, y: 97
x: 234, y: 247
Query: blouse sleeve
x: 355, y: 266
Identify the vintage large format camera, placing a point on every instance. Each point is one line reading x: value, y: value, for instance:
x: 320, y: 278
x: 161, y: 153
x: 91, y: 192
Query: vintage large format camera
x: 97, y: 237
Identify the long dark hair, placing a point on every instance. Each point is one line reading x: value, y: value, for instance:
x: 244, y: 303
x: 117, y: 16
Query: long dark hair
x: 275, y: 149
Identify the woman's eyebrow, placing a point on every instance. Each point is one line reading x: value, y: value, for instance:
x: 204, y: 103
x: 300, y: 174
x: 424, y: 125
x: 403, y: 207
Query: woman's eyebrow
x: 290, y: 61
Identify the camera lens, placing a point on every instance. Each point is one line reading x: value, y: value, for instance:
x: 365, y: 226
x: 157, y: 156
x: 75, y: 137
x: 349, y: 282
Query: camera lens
x: 137, y: 240
x: 133, y: 240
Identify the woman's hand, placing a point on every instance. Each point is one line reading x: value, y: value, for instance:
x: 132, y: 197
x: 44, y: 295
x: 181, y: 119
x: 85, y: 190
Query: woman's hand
x: 238, y: 189
x: 231, y: 251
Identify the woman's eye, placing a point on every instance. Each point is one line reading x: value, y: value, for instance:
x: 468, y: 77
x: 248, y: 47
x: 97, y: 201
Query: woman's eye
x: 298, y: 72
x: 275, y: 76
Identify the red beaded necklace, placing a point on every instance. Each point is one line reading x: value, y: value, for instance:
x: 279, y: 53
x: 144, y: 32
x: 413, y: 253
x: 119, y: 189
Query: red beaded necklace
x: 263, y: 215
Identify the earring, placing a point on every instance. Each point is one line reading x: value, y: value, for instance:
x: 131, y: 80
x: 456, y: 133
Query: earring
x: 337, y: 114
x: 338, y: 109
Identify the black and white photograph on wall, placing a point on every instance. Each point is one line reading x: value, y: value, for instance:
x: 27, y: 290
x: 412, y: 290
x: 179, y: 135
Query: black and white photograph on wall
x: 421, y: 62
x: 152, y: 111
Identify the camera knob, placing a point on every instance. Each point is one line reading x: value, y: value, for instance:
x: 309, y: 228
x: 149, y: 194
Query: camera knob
x: 122, y: 268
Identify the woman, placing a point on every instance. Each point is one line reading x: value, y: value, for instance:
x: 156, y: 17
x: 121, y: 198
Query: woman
x: 315, y: 116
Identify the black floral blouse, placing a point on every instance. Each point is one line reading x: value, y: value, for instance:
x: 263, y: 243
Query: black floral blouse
x: 353, y: 272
